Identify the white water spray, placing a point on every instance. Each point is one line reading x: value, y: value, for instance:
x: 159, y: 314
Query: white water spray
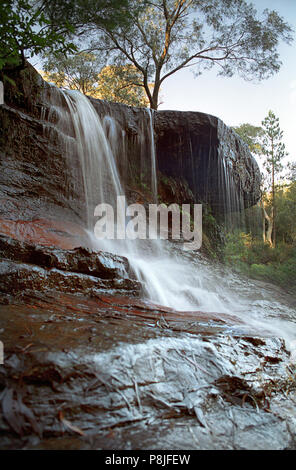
x: 171, y: 278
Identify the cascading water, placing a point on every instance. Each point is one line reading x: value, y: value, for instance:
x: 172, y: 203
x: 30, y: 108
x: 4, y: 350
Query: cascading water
x: 231, y: 199
x: 171, y: 277
x: 153, y: 157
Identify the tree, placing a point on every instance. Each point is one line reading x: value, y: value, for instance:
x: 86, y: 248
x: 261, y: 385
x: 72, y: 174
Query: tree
x: 273, y: 149
x: 286, y: 213
x: 25, y: 31
x: 251, y: 136
x: 85, y: 72
x: 292, y: 171
x: 84, y: 14
x: 121, y: 84
x: 31, y: 27
x: 75, y: 72
x: 165, y: 36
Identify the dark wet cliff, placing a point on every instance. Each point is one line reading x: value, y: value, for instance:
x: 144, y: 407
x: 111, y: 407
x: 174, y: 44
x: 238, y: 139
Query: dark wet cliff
x: 198, y: 158
x: 209, y: 156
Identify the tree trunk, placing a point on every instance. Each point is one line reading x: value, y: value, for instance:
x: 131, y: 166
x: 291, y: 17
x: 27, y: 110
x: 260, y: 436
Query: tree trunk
x: 154, y: 106
x: 273, y: 196
x: 267, y: 234
x: 153, y: 100
x: 156, y: 89
x: 263, y: 227
x: 269, y: 231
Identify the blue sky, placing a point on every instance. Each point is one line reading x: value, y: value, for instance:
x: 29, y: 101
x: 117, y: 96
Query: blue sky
x: 236, y: 101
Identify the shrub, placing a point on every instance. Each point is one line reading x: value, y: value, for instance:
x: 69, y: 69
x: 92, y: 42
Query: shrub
x: 252, y: 257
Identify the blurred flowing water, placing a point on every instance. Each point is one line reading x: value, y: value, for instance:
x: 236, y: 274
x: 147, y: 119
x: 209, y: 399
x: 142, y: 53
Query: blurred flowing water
x: 171, y: 276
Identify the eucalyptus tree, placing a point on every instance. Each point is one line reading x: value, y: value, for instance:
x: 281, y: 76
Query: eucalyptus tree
x: 82, y: 15
x: 120, y: 83
x: 87, y: 73
x: 75, y: 72
x: 165, y: 36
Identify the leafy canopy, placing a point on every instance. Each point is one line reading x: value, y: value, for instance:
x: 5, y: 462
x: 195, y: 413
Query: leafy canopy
x: 26, y: 31
x: 121, y: 84
x: 251, y: 135
x: 273, y: 147
x: 75, y: 72
x: 31, y: 27
x: 83, y: 15
x: 85, y: 72
x: 292, y: 171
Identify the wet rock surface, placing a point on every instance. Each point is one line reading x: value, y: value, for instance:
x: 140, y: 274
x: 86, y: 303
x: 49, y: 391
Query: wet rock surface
x: 45, y: 232
x: 25, y: 266
x: 34, y: 178
x: 113, y: 372
x: 80, y: 260
x: 89, y: 365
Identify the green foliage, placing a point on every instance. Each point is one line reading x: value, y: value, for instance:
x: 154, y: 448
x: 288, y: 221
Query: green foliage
x: 85, y: 15
x: 251, y: 136
x: 212, y: 235
x: 292, y: 171
x: 209, y: 220
x: 272, y: 147
x: 25, y: 31
x: 285, y: 219
x: 283, y: 274
x: 31, y: 27
x: 75, y: 72
x: 85, y: 72
x: 266, y: 141
x: 274, y: 152
x: 122, y: 84
x: 259, y: 260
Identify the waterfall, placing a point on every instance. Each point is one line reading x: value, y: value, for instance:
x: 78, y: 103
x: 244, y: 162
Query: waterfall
x: 153, y: 156
x: 171, y: 277
x: 230, y: 197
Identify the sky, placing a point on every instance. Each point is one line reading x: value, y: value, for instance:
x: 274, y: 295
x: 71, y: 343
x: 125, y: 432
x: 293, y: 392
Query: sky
x: 236, y: 101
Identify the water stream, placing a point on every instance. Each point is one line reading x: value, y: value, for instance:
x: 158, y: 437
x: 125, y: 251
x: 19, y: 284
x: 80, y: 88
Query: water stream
x: 171, y: 277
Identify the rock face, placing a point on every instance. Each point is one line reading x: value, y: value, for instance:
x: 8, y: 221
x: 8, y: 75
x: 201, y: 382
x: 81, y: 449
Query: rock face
x: 196, y: 150
x: 35, y: 180
x: 28, y: 268
x: 209, y: 156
